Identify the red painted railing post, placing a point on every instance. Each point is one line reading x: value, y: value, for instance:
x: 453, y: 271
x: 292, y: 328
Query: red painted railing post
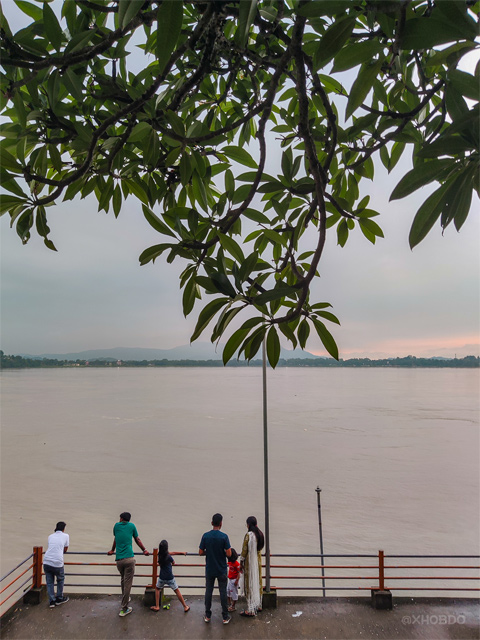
x: 37, y: 567
x: 381, y: 571
x: 155, y: 568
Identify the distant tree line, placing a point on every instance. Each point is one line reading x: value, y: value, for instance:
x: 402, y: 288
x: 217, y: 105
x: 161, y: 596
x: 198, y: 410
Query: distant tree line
x: 18, y: 362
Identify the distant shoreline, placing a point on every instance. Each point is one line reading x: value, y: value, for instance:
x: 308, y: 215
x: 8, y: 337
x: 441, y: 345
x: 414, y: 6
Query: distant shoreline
x: 18, y: 362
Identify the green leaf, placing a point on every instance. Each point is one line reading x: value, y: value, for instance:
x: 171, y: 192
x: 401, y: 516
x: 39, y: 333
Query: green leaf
x: 288, y: 333
x: 318, y: 8
x: 226, y: 317
x: 232, y: 247
x: 189, y: 296
x: 246, y: 16
x: 223, y: 284
x: 30, y: 10
x: 303, y: 332
x: 445, y: 146
x: 150, y: 254
x: 73, y: 84
x: 273, y: 347
x: 333, y: 40
x: 465, y: 83
x: 371, y: 226
x: 169, y: 26
x: 239, y: 155
x: 233, y: 344
x: 127, y: 9
x: 356, y: 54
x: 425, y: 33
x: 117, y: 200
x: 328, y: 316
x: 253, y: 343
x: 199, y: 191
x: 427, y: 215
x: 7, y: 161
x: 206, y: 314
x: 421, y: 175
x: 326, y: 337
x: 342, y: 232
x: 256, y: 216
x: 53, y: 30
x: 362, y: 85
x: 155, y: 222
x: 8, y: 203
x: 280, y: 291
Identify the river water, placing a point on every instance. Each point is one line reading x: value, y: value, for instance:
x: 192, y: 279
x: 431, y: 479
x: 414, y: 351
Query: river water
x: 395, y: 451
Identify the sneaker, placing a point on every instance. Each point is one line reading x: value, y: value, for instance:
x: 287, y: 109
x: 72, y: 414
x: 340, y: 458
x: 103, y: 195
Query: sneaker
x: 61, y: 600
x: 206, y: 618
x: 227, y: 620
x: 52, y: 604
x: 125, y: 612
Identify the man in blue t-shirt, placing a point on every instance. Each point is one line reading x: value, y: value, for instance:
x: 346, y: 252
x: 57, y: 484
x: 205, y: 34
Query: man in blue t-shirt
x: 215, y: 545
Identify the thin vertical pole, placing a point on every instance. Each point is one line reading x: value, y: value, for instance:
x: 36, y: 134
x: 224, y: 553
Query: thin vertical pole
x: 318, y: 490
x: 381, y: 571
x: 265, y: 470
x: 154, y: 567
x: 37, y: 567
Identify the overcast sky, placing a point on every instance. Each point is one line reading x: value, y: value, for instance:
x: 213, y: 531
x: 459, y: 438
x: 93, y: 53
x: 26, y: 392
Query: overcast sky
x: 93, y: 294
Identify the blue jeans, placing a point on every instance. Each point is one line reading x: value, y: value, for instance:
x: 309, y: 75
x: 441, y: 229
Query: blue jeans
x: 222, y: 587
x: 50, y: 574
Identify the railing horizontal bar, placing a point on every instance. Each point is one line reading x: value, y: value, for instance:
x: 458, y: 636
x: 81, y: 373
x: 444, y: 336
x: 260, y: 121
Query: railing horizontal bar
x: 15, y: 568
x: 17, y: 578
x: 105, y: 575
x: 369, y: 589
x: 104, y: 564
x: 437, y: 589
x: 429, y: 556
x: 14, y: 592
x: 325, y: 555
x: 432, y: 578
x: 428, y: 566
x: 111, y: 586
x: 323, y: 566
x: 292, y: 555
x: 326, y: 578
x: 358, y: 588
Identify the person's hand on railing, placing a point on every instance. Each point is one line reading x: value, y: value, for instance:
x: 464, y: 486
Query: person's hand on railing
x: 110, y: 552
x: 146, y: 552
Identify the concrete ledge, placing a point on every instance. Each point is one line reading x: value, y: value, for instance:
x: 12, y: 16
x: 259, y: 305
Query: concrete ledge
x: 35, y: 595
x: 382, y: 599
x: 269, y: 600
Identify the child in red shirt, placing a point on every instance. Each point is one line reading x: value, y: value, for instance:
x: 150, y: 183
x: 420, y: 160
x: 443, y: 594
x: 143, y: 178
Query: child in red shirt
x: 233, y: 577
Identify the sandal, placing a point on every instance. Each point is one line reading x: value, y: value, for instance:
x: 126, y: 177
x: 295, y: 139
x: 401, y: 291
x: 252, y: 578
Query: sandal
x: 231, y: 609
x: 187, y: 608
x: 246, y: 614
x: 155, y: 609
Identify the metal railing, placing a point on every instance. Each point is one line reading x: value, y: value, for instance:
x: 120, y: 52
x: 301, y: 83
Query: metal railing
x: 344, y: 572
x: 11, y: 589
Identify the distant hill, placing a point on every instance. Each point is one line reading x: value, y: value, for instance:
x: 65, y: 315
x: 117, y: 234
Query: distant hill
x: 196, y: 351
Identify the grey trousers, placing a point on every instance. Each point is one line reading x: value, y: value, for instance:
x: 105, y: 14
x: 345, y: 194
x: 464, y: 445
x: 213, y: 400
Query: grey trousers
x: 126, y: 567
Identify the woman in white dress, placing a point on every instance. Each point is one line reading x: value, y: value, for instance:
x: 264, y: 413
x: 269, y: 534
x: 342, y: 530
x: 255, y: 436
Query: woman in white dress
x: 251, y: 563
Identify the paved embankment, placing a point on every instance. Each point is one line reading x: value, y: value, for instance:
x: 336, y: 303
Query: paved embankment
x: 96, y: 617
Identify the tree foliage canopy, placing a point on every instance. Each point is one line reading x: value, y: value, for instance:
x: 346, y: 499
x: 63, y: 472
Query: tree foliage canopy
x: 187, y: 124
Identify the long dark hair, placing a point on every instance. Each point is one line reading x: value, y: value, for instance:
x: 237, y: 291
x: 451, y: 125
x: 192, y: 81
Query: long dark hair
x: 252, y: 526
x: 162, y: 552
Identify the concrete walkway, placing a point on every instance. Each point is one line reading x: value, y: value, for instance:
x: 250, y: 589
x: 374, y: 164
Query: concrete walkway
x: 96, y: 617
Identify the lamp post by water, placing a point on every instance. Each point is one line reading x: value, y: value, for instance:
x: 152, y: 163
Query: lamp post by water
x: 265, y: 470
x: 319, y: 506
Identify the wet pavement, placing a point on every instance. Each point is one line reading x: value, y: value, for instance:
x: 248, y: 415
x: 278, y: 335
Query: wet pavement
x: 96, y: 617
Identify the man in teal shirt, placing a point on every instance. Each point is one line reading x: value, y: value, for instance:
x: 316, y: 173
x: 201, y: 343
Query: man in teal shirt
x: 123, y: 533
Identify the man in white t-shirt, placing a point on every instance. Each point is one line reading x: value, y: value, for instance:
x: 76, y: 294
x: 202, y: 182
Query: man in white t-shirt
x: 53, y: 565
